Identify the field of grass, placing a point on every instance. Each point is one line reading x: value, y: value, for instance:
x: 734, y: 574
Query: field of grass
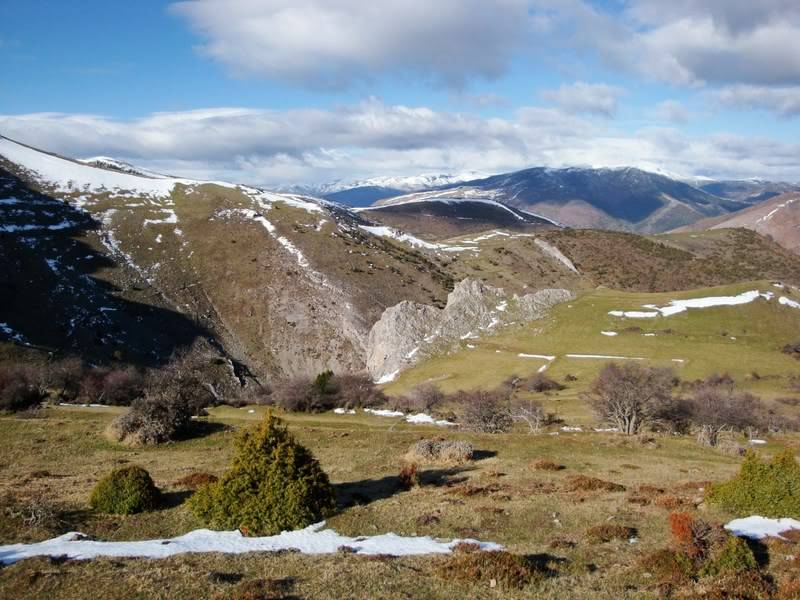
x: 741, y: 340
x: 499, y: 497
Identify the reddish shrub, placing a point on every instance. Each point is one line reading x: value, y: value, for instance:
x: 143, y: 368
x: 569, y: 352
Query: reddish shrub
x: 408, y: 476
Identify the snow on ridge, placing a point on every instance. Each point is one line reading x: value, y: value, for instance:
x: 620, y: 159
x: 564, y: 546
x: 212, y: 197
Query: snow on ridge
x: 678, y: 306
x: 788, y: 302
x: 383, y: 231
x: 311, y: 540
x: 12, y: 335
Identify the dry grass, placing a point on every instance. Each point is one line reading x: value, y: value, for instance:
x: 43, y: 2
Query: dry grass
x: 583, y: 483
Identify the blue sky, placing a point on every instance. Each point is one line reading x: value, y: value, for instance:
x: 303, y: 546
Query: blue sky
x: 273, y: 92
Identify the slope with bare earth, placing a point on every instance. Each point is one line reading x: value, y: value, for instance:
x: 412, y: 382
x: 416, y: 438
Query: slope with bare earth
x: 286, y: 284
x: 778, y: 218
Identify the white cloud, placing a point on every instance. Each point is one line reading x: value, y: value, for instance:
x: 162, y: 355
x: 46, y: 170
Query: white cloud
x: 672, y: 111
x: 784, y: 101
x: 581, y: 97
x: 334, y: 43
x: 272, y: 147
x: 686, y: 42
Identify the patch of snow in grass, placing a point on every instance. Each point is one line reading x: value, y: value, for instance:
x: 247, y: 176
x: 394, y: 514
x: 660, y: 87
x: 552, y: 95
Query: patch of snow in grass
x: 606, y: 429
x: 344, y: 411
x: 311, y: 540
x: 65, y: 224
x: 17, y: 337
x: 422, y: 418
x: 387, y: 377
x: 571, y: 429
x: 757, y: 527
x: 382, y: 412
x: 604, y: 356
x: 543, y: 356
x: 788, y: 302
x: 170, y: 219
x: 757, y: 442
x: 609, y: 333
x: 678, y: 306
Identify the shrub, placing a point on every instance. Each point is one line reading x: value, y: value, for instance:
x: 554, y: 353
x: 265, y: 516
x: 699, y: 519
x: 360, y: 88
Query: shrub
x: 426, y: 397
x: 792, y: 350
x: 507, y: 569
x: 768, y: 489
x: 64, y: 378
x: 734, y: 556
x: 670, y: 567
x: 582, y: 483
x: 161, y: 416
x: 630, y: 395
x: 715, y: 409
x: 19, y: 388
x: 274, y: 484
x: 607, y: 532
x: 693, y: 537
x: 542, y: 383
x: 450, y: 451
x: 125, y: 491
x: 117, y: 387
x: 533, y: 414
x: 485, y: 412
x: 409, y: 477
x: 326, y: 392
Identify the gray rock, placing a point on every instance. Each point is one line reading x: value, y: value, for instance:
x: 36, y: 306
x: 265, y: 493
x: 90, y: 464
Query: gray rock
x: 408, y: 332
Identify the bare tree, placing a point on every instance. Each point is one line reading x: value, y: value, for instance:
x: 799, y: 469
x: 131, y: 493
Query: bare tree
x: 531, y: 413
x: 629, y: 396
x: 715, y: 409
x: 485, y: 412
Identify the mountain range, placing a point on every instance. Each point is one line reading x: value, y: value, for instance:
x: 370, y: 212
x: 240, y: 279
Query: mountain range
x: 117, y: 263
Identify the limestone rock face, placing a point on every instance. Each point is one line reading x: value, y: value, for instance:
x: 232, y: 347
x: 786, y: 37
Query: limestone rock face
x: 410, y: 331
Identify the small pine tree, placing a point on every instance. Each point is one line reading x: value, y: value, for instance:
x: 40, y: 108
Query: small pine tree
x: 734, y: 556
x: 274, y: 484
x: 768, y: 489
x: 125, y: 491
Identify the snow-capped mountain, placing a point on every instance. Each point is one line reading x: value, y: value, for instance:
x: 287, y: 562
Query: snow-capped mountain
x: 611, y: 198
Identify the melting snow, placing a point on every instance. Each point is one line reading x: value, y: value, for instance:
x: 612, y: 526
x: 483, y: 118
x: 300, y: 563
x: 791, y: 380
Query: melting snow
x: 609, y: 333
x: 604, y: 356
x: 787, y: 302
x: 382, y: 412
x: 17, y: 337
x: 544, y: 356
x: 344, y: 411
x: 387, y: 377
x: 311, y: 540
x: 679, y: 306
x: 756, y: 527
x: 427, y: 419
x: 383, y: 231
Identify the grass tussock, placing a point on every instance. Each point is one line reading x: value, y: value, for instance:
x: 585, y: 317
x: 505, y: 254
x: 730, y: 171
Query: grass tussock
x: 544, y: 464
x: 583, y: 483
x: 498, y: 568
x: 608, y: 532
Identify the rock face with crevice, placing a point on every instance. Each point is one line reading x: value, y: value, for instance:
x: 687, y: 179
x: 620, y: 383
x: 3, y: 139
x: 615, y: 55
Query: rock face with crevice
x: 409, y: 331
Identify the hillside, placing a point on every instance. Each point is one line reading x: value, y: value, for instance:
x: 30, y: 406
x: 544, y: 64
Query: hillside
x: 748, y: 191
x: 778, y: 219
x: 625, y: 199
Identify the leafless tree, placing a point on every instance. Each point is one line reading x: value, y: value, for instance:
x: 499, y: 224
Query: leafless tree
x: 716, y: 409
x: 531, y: 413
x: 485, y: 412
x: 630, y: 395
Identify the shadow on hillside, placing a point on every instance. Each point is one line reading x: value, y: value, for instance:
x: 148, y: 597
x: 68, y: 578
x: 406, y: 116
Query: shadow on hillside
x: 362, y: 492
x: 52, y: 297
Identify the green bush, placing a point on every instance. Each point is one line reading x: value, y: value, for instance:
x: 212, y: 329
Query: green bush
x: 125, y: 491
x: 734, y: 556
x: 768, y: 489
x: 274, y: 484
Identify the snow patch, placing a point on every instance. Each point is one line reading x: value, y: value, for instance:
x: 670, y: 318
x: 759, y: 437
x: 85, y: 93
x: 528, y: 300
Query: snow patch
x: 756, y: 527
x: 678, y: 306
x: 609, y: 333
x: 311, y: 540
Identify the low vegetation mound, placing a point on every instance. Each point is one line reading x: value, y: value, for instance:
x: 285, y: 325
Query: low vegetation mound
x: 583, y: 483
x: 194, y: 481
x: 161, y: 416
x: 607, y: 532
x: 125, y: 491
x: 274, y: 484
x: 449, y: 451
x: 769, y: 489
x: 504, y: 568
x: 485, y: 412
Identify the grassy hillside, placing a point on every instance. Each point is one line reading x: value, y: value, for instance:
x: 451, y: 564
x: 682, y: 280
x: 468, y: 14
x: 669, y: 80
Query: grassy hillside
x: 59, y: 457
x: 741, y: 340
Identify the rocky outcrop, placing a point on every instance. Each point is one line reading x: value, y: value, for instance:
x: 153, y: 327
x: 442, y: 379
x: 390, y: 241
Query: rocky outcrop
x: 409, y: 331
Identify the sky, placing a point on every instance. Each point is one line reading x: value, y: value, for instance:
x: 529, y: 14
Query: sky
x: 287, y: 92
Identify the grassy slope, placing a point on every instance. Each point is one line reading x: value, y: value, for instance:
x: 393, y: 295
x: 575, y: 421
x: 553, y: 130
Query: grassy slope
x: 760, y: 328
x: 362, y: 454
